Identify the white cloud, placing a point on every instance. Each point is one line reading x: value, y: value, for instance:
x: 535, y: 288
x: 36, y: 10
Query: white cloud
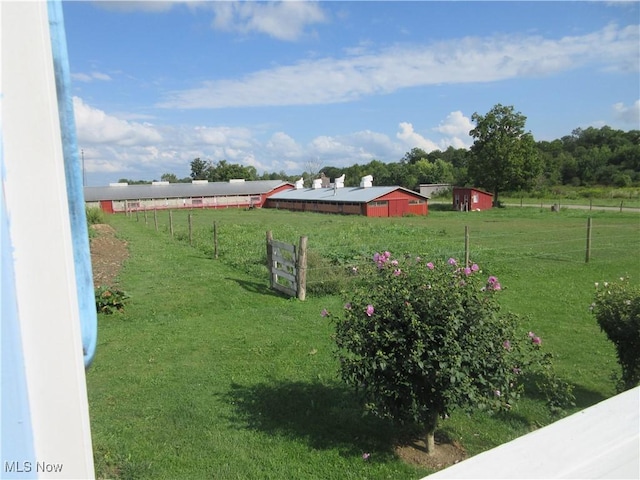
x: 115, y: 148
x: 282, y: 145
x: 630, y: 114
x: 413, y: 139
x: 467, y: 60
x: 282, y: 20
x: 150, y: 6
x: 456, y: 128
x: 95, y: 126
x: 90, y: 77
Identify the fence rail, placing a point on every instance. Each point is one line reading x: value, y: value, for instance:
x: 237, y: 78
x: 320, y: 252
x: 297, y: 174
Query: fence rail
x: 287, y: 266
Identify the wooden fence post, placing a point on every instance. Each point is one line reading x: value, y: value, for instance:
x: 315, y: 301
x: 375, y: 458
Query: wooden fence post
x: 155, y: 218
x: 137, y: 216
x: 301, y: 269
x: 466, y: 245
x: 588, y: 254
x: 215, y: 240
x: 171, y: 222
x: 191, y: 230
x: 145, y: 217
x: 270, y: 257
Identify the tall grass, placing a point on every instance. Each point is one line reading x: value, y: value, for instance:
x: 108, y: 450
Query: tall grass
x: 209, y: 374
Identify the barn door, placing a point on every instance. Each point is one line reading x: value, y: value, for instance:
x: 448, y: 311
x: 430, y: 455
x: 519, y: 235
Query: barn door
x: 395, y: 208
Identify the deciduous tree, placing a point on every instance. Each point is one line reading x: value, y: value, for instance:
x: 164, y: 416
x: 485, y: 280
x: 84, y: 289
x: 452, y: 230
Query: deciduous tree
x: 503, y: 155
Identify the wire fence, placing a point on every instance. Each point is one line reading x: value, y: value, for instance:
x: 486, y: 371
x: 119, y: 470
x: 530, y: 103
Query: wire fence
x: 336, y: 250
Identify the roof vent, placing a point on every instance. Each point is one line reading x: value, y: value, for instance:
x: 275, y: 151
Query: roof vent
x: 366, y: 181
x: 119, y: 184
x: 300, y: 183
x: 160, y: 183
x: 339, y: 182
x: 236, y: 180
x: 199, y: 182
x: 317, y: 183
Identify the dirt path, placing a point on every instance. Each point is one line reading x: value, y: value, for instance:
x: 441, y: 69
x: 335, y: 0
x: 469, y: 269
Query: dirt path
x: 108, y: 254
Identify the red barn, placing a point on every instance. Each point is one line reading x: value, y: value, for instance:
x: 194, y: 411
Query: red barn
x: 471, y: 199
x: 365, y: 200
x: 198, y: 194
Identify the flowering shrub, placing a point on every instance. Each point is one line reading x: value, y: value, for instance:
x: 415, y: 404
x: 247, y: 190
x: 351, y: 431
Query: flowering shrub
x: 617, y: 310
x: 418, y: 339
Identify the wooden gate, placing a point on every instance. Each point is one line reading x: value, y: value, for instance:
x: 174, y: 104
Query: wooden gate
x: 287, y: 266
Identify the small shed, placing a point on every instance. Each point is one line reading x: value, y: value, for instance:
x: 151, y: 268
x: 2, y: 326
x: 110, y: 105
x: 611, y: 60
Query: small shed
x: 121, y: 197
x: 367, y: 200
x: 467, y: 199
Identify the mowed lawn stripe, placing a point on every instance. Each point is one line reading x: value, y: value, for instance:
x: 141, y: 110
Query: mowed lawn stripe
x: 182, y: 378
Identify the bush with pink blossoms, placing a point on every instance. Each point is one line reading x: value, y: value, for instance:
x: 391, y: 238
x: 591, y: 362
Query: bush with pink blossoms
x: 617, y: 311
x: 418, y: 339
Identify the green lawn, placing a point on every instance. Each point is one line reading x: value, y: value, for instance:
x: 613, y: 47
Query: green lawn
x: 209, y: 374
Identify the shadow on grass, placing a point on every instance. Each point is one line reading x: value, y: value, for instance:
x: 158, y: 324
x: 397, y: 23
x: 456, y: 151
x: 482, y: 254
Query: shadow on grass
x: 257, y: 287
x: 323, y: 416
x: 585, y: 397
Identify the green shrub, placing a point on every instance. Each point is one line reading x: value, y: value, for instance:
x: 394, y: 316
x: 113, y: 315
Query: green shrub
x: 110, y: 300
x: 419, y: 339
x: 617, y: 310
x: 94, y: 215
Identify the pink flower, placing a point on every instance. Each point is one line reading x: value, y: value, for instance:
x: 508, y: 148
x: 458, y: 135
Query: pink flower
x: 475, y: 268
x: 397, y: 272
x: 491, y: 280
x: 536, y: 340
x: 497, y: 286
x: 370, y: 310
x: 467, y: 271
x: 531, y: 334
x: 430, y: 266
x: 366, y: 456
x: 506, y: 344
x: 394, y: 262
x: 347, y: 306
x: 324, y: 312
x: 452, y: 261
x: 387, y: 255
x: 516, y: 370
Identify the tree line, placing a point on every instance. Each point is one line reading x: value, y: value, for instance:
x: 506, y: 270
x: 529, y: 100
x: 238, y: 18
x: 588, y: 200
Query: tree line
x: 503, y: 157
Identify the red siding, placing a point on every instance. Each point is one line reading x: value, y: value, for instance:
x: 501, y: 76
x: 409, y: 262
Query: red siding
x: 471, y: 199
x: 394, y: 204
x: 106, y: 206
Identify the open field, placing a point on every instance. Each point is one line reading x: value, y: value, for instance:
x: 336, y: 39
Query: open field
x: 209, y: 374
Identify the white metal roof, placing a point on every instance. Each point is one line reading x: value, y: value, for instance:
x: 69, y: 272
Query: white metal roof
x: 181, y: 190
x: 345, y: 194
x: 601, y: 441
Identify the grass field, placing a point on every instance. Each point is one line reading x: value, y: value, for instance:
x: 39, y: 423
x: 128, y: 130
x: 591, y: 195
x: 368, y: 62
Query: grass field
x: 209, y: 374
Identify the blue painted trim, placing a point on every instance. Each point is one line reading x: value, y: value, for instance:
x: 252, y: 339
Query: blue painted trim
x: 17, y: 450
x: 73, y: 175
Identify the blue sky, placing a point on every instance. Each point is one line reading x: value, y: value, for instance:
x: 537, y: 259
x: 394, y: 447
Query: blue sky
x: 298, y: 84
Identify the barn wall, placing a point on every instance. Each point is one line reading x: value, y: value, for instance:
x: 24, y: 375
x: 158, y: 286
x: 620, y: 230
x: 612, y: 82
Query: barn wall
x: 397, y: 204
x: 346, y: 208
x: 473, y: 199
x: 377, y: 209
x: 106, y: 206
